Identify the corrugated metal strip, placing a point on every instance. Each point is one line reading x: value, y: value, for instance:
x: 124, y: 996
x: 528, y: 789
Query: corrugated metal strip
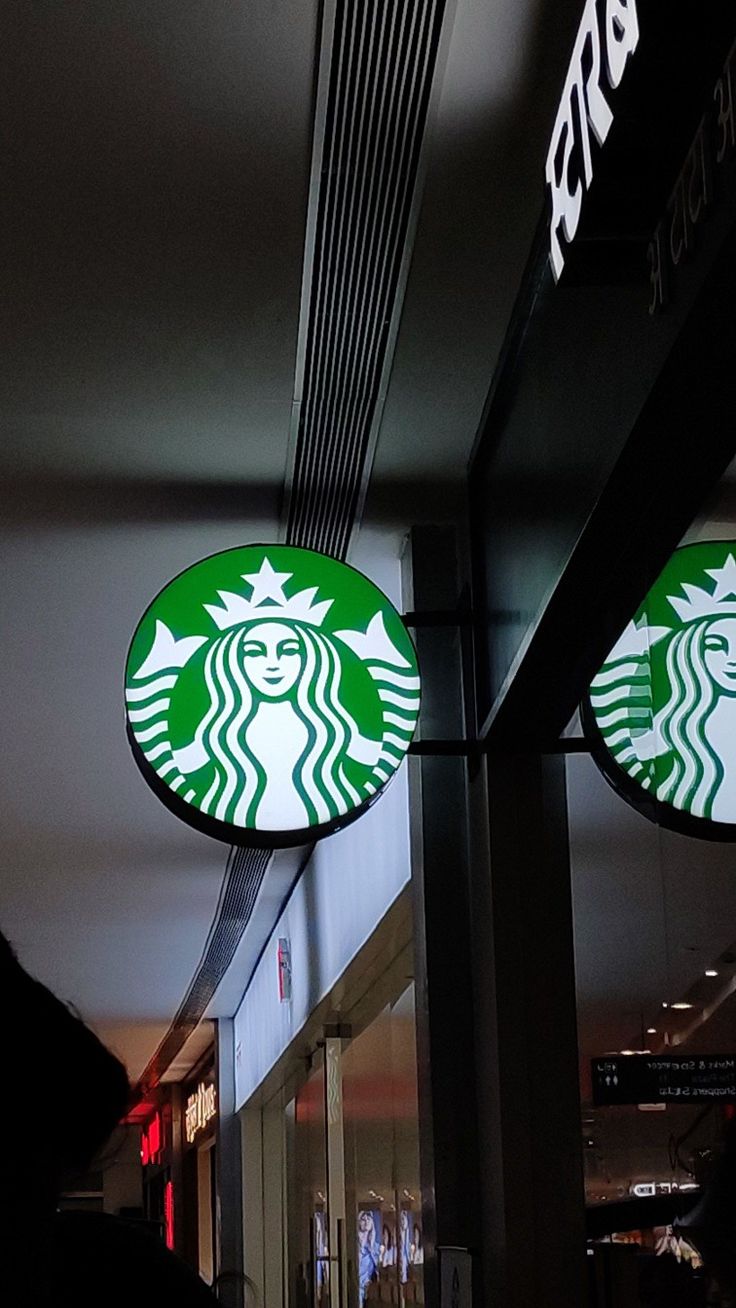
x: 381, y: 71
x: 243, y: 879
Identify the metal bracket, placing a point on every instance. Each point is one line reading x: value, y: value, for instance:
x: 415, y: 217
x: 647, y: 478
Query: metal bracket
x: 569, y: 745
x: 437, y: 618
x: 452, y: 748
x: 460, y: 618
x: 473, y: 748
x: 424, y: 618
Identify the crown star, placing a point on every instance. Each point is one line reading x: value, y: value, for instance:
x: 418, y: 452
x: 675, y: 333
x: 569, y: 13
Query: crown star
x: 267, y: 584
x: 268, y: 601
x: 702, y: 603
x: 725, y: 579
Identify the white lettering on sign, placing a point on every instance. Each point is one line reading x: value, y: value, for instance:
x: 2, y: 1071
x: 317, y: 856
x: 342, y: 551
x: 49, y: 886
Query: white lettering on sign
x: 200, y: 1110
x: 609, y: 31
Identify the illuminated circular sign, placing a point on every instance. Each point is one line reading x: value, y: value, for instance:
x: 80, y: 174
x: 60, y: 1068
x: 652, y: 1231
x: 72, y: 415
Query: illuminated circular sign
x: 661, y: 713
x: 271, y: 693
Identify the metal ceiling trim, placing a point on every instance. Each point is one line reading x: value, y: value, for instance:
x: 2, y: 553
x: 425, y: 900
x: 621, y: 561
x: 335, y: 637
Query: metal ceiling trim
x: 367, y: 331
x: 322, y: 86
x: 244, y: 876
x: 440, y: 63
x: 377, y: 97
x: 345, y: 205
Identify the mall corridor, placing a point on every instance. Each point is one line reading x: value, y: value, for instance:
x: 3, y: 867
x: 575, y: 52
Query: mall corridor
x: 368, y: 629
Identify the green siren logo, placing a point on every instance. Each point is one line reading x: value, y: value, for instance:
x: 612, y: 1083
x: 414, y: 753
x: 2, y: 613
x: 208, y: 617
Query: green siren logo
x: 271, y: 692
x: 661, y: 713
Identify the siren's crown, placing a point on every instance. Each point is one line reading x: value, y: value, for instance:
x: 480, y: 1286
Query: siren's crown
x: 701, y: 603
x: 267, y: 600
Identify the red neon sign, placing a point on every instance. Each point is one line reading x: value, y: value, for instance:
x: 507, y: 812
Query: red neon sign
x: 169, y: 1214
x: 152, y: 1141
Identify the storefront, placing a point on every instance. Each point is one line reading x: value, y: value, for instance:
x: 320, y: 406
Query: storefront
x: 329, y: 1095
x: 370, y: 1125
x: 199, y: 1170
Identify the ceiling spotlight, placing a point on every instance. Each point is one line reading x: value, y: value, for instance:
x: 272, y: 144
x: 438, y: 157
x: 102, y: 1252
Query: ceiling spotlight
x: 710, y: 971
x: 665, y: 1004
x: 681, y: 1004
x: 651, y: 1030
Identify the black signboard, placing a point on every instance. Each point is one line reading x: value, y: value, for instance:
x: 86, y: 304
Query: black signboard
x: 664, y: 1079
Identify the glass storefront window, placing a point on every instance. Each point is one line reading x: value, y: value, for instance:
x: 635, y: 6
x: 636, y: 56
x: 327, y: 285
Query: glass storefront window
x: 353, y: 1194
x: 306, y: 1195
x: 382, y: 1159
x: 655, y: 957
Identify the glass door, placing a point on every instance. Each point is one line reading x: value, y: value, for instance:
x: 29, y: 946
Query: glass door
x: 353, y: 1230
x: 384, y: 1247
x: 307, y: 1225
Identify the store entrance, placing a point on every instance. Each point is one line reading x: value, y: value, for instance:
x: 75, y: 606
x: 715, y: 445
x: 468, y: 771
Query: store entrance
x: 353, y: 1199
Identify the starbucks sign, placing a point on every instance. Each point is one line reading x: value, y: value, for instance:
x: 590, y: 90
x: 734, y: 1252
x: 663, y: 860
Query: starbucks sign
x: 271, y: 693
x: 661, y: 713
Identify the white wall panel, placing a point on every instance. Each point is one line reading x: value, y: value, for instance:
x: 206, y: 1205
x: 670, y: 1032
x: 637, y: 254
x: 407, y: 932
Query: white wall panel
x: 349, y: 884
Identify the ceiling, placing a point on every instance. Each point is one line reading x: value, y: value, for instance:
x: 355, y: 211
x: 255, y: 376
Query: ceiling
x: 156, y: 167
x: 156, y: 173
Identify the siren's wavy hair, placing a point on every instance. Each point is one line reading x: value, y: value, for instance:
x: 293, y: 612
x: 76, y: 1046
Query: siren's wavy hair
x: 239, y: 779
x: 696, y: 772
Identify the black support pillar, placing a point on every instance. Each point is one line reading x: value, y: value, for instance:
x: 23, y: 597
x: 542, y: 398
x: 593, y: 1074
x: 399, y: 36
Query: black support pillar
x: 445, y: 1040
x: 529, y: 1107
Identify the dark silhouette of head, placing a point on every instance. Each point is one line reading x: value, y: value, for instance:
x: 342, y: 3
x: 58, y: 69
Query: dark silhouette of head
x: 72, y: 1091
x: 62, y: 1095
x: 60, y: 1098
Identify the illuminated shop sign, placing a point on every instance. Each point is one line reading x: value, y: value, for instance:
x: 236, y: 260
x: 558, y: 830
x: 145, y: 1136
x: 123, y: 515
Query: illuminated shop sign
x: 200, y: 1111
x: 608, y: 33
x: 661, y: 713
x: 271, y: 693
x: 152, y: 1141
x: 169, y: 1214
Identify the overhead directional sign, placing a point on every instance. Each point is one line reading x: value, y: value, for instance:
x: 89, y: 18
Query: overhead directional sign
x: 661, y: 713
x: 271, y: 693
x: 664, y: 1078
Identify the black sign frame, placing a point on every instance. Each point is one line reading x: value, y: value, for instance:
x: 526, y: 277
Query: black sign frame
x: 686, y: 1078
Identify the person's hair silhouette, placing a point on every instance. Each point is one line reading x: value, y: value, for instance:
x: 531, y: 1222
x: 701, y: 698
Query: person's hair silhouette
x: 61, y: 1096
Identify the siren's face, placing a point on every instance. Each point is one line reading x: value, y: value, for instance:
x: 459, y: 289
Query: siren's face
x: 720, y: 653
x: 273, y: 657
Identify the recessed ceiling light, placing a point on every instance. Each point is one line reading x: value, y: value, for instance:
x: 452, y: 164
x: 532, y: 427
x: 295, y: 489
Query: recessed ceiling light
x: 651, y: 1030
x: 682, y: 1004
x: 710, y: 971
x: 665, y: 1004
